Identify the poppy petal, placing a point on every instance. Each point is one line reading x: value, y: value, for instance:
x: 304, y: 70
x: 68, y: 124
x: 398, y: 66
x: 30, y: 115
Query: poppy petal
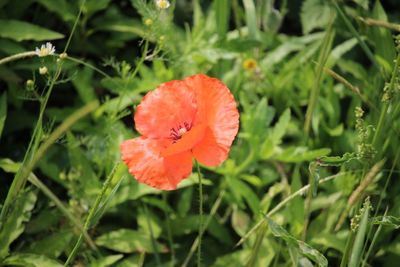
x: 142, y: 155
x: 216, y: 108
x: 209, y: 152
x: 169, y: 106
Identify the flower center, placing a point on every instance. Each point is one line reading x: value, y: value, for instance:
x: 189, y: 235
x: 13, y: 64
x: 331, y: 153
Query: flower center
x: 178, y: 132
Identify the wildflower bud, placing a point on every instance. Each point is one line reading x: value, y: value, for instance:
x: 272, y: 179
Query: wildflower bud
x: 30, y: 85
x: 162, y: 4
x: 250, y: 64
x: 148, y: 22
x: 359, y: 112
x: 43, y: 70
x: 63, y: 55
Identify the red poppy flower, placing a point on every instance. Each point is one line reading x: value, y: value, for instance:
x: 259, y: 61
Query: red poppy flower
x: 181, y: 120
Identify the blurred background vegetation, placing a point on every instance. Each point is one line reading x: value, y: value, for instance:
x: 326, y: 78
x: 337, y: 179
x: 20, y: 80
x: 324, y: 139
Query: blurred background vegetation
x: 316, y: 82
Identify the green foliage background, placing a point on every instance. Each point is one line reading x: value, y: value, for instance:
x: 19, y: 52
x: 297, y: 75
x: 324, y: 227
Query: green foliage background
x: 312, y: 178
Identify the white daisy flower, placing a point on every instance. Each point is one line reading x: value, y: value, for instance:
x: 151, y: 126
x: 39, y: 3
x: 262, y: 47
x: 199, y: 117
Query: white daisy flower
x: 45, y: 50
x: 162, y: 4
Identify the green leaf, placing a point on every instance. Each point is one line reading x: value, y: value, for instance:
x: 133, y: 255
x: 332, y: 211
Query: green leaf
x: 222, y: 8
x: 31, y: 260
x: 52, y: 245
x: 128, y: 241
x: 240, y: 221
x: 300, y: 154
x: 384, y: 44
x: 62, y: 8
x: 21, y: 30
x: 185, y: 201
x: 9, y: 166
x: 280, y: 127
x: 251, y: 18
x: 83, y: 84
x: 106, y: 261
x: 391, y: 221
x: 3, y: 111
x: 14, y: 226
x: 302, y: 247
x: 337, y: 160
x: 149, y: 224
x: 315, y: 14
x: 356, y: 252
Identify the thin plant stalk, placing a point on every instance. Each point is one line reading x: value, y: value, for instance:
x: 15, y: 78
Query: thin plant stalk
x: 200, y: 214
x: 17, y: 57
x: 323, y: 56
x: 373, y: 241
x: 92, y: 212
x: 196, y: 243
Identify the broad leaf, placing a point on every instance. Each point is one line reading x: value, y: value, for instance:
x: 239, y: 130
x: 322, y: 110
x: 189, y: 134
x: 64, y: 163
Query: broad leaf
x: 21, y: 30
x: 14, y: 224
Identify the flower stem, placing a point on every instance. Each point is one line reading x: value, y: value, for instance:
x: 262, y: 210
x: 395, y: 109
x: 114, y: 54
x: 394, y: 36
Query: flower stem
x: 17, y: 56
x: 200, y: 215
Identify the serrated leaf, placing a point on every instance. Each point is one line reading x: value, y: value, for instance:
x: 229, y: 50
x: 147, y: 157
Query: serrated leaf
x: 336, y: 160
x: 302, y: 247
x: 21, y: 30
x: 315, y: 14
x: 129, y: 241
x: 31, y: 260
x: 14, y: 226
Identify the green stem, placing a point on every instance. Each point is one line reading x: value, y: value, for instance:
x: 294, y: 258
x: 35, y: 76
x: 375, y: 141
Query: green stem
x: 378, y: 231
x: 196, y: 243
x: 200, y: 215
x: 322, y: 58
x: 385, y: 106
x: 17, y: 56
x: 77, y: 60
x: 92, y: 212
x: 349, y: 243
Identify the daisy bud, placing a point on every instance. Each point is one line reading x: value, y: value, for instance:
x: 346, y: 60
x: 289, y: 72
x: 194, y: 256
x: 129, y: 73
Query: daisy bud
x: 43, y: 70
x: 63, y: 55
x: 30, y: 85
x: 148, y: 22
